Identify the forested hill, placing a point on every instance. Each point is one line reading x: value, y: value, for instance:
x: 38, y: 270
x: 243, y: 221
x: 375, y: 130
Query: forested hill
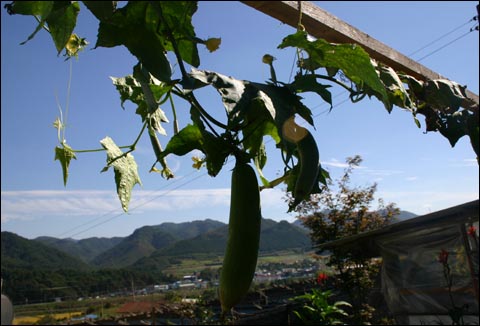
x: 18, y: 252
x: 275, y: 236
x: 84, y: 249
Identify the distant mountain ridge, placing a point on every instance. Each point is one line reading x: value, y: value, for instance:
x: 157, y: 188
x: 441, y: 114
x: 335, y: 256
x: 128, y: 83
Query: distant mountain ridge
x: 275, y: 236
x: 84, y: 249
x: 163, y: 243
x: 21, y: 253
x: 145, y: 240
x: 149, y: 246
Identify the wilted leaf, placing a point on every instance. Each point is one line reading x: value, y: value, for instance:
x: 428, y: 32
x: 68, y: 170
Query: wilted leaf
x: 444, y: 94
x: 397, y: 93
x: 64, y: 155
x: 125, y: 169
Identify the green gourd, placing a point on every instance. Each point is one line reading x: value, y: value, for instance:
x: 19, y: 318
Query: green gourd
x: 240, y: 259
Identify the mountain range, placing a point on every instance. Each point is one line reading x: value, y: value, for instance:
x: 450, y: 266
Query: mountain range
x: 147, y: 246
x: 155, y: 246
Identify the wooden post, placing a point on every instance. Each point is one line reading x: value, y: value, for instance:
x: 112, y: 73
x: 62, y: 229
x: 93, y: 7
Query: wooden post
x: 321, y: 24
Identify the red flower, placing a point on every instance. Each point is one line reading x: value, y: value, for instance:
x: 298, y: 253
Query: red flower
x: 472, y: 230
x: 443, y: 257
x: 321, y: 278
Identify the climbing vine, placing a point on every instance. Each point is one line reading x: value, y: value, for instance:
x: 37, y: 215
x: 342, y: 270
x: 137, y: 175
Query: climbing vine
x: 151, y: 29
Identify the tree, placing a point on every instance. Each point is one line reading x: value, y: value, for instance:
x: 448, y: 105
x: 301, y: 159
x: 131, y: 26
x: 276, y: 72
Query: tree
x: 345, y: 211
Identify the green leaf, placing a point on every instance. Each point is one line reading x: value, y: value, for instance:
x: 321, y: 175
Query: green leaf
x: 308, y: 83
x: 60, y: 16
x: 350, y: 58
x: 444, y: 94
x: 185, y: 141
x: 40, y: 9
x: 64, y: 155
x: 125, y: 168
x: 473, y: 132
x: 260, y: 160
x: 178, y: 17
x: 125, y: 25
x: 216, y: 149
x: 33, y: 8
x: 282, y: 103
x: 103, y: 10
x: 148, y: 49
x: 453, y: 127
x: 61, y: 22
x: 233, y: 91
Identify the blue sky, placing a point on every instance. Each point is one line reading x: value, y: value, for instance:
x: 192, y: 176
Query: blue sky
x: 419, y: 172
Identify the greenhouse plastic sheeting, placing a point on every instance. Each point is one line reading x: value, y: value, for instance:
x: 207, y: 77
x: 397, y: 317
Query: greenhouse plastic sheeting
x: 413, y: 281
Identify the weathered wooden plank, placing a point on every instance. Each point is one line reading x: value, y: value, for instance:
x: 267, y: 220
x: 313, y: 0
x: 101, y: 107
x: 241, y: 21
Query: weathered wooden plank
x: 321, y: 24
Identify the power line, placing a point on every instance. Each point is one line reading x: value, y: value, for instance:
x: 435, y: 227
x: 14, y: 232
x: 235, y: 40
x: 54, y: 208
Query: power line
x: 439, y: 38
x: 444, y: 46
x: 140, y: 205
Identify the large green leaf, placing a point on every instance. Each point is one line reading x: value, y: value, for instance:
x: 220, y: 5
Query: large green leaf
x: 40, y: 9
x: 156, y: 23
x: 185, y: 141
x: 61, y: 22
x: 148, y: 49
x: 257, y: 109
x: 125, y: 168
x: 178, y: 17
x: 350, y: 58
x: 234, y: 93
x: 64, y: 155
x: 60, y: 16
x: 103, y: 10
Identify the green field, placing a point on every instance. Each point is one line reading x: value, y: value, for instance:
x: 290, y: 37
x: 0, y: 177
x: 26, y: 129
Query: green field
x: 188, y: 266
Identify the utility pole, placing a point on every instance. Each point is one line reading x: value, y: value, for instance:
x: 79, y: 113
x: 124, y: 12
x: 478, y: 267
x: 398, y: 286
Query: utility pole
x: 133, y: 289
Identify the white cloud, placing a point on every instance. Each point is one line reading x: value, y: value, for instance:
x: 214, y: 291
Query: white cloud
x: 464, y: 163
x: 423, y: 202
x: 335, y: 163
x: 28, y: 205
x: 411, y: 178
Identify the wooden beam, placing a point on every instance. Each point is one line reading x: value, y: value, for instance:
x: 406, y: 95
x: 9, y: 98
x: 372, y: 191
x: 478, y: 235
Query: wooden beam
x: 321, y: 24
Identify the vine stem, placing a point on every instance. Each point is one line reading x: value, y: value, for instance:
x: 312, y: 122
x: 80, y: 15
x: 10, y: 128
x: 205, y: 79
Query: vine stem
x: 336, y: 81
x: 130, y: 147
x: 133, y: 146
